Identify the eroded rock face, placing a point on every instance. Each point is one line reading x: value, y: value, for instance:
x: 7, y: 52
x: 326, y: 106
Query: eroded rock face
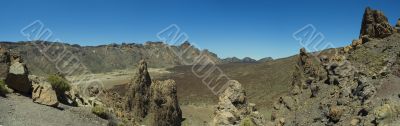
x: 233, y: 108
x: 138, y: 96
x: 42, y: 92
x: 165, y: 106
x: 146, y: 102
x: 17, y: 77
x: 375, y: 24
x: 4, y: 61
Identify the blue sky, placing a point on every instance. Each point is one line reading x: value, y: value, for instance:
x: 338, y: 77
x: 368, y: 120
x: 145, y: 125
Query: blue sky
x: 254, y: 28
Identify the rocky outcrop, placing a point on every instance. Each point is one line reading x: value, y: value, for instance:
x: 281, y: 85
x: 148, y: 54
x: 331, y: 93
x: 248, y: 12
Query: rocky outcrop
x: 165, y: 107
x: 75, y: 97
x: 4, y: 61
x: 375, y: 24
x: 17, y: 76
x: 146, y: 102
x: 356, y: 88
x: 42, y: 92
x: 138, y: 96
x: 306, y: 73
x: 234, y: 109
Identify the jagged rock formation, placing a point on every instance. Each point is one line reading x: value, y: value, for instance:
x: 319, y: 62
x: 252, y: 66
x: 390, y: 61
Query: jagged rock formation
x: 138, y: 96
x: 105, y: 58
x: 353, y: 88
x: 17, y: 76
x: 42, y: 92
x: 233, y: 108
x: 375, y: 24
x: 165, y: 106
x: 146, y: 102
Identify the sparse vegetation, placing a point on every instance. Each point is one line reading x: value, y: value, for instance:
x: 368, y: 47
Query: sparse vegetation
x: 3, y: 89
x: 100, y: 111
x: 247, y: 122
x: 59, y: 83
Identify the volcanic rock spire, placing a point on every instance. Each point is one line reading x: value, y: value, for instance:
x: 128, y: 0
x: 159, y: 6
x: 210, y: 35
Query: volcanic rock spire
x: 375, y: 24
x: 139, y: 91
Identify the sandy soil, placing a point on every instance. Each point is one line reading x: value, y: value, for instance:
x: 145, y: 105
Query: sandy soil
x: 120, y: 77
x: 197, y: 115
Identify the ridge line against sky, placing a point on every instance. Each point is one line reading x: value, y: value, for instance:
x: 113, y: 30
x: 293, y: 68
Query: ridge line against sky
x: 228, y: 28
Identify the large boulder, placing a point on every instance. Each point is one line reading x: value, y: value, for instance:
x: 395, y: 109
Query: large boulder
x: 234, y: 109
x: 165, y: 107
x: 139, y: 92
x: 17, y: 77
x: 375, y: 24
x: 42, y: 92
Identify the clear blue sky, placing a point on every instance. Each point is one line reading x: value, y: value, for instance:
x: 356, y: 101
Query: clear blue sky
x: 252, y: 28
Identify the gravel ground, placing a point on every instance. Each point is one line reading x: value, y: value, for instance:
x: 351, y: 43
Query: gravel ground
x: 18, y: 110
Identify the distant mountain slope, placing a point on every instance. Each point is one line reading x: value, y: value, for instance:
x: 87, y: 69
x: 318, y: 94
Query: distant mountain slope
x: 104, y: 58
x: 245, y: 60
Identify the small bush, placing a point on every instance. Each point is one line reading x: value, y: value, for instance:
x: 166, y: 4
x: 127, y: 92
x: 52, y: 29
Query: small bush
x: 100, y: 111
x: 3, y: 89
x: 59, y: 83
x: 247, y: 122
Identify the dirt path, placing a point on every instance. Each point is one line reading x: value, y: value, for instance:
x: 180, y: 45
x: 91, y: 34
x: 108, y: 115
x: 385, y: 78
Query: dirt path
x: 18, y: 110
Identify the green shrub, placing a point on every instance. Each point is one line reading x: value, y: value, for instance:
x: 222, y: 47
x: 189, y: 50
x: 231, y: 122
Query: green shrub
x: 247, y: 122
x: 3, y: 88
x: 59, y: 83
x: 100, y: 111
